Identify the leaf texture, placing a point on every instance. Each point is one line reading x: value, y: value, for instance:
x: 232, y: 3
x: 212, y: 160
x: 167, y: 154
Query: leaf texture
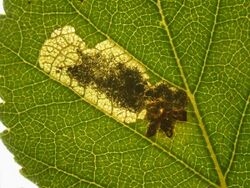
x: 63, y: 141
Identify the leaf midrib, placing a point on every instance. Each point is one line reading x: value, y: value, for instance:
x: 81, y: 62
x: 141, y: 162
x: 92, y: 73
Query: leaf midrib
x: 191, y: 96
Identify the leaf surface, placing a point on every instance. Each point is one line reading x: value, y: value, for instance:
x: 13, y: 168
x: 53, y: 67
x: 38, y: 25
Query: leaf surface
x: 63, y: 141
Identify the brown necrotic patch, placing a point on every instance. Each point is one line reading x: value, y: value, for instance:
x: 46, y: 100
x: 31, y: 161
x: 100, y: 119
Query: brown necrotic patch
x: 123, y: 85
x: 127, y: 87
x: 109, y: 78
x: 164, y: 105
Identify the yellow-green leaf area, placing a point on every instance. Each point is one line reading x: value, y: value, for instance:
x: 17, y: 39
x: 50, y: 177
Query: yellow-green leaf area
x: 62, y: 140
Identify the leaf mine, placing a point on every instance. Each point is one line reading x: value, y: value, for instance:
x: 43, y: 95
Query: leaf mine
x: 109, y: 78
x: 61, y: 51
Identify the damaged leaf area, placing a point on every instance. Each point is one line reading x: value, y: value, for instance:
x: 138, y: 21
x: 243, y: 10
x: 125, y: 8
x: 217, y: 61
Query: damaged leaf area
x: 127, y: 93
x: 65, y: 50
x: 105, y: 76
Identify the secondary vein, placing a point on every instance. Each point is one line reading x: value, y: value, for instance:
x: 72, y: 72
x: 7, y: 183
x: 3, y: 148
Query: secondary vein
x: 237, y: 137
x: 208, y: 48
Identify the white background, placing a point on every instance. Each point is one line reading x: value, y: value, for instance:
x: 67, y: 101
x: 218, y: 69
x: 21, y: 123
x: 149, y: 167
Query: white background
x: 9, y: 169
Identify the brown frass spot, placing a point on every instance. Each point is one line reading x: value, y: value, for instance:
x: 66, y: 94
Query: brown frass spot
x: 123, y: 85
x: 126, y: 86
x: 164, y: 107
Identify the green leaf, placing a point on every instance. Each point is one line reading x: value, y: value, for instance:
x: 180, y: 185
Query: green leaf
x: 63, y: 141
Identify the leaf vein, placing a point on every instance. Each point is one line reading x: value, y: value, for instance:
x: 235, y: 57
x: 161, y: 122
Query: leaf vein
x: 208, y: 47
x: 237, y: 137
x: 192, y: 98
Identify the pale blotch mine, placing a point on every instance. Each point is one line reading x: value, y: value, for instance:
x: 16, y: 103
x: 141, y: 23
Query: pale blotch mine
x: 60, y: 51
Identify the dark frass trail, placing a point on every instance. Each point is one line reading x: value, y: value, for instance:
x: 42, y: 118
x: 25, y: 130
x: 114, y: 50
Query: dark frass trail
x: 127, y: 87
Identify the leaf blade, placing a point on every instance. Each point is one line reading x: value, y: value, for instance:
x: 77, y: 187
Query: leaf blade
x: 167, y: 165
